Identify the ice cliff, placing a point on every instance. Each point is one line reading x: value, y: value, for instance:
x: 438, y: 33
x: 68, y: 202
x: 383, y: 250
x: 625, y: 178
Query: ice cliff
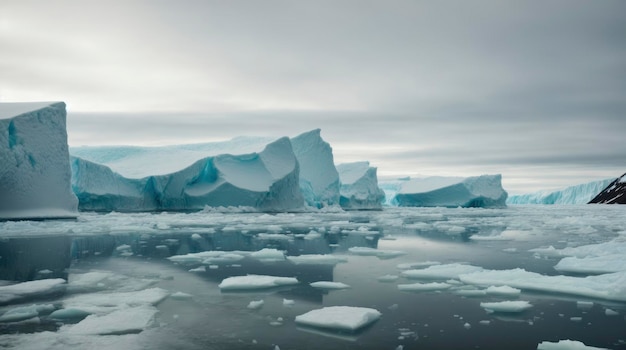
x: 614, y: 193
x: 579, y: 194
x: 267, y: 181
x: 34, y: 162
x: 359, y: 186
x: 319, y: 179
x: 476, y: 191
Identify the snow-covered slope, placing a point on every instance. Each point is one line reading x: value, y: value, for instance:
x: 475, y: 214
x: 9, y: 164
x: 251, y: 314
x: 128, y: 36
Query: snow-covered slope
x: 614, y: 193
x: 437, y: 191
x: 267, y: 181
x: 34, y: 162
x: 579, y: 194
x: 359, y: 186
x: 319, y: 180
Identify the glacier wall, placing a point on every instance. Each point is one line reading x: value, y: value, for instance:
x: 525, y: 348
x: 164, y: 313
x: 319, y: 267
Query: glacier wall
x: 613, y: 193
x: 477, y: 191
x: 267, y: 181
x: 319, y: 179
x: 359, y: 187
x: 579, y: 194
x: 34, y: 162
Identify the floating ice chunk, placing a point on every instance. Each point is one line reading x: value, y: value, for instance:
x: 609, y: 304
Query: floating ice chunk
x: 124, y: 321
x: 181, y: 296
x: 255, y: 282
x: 388, y: 278
x: 412, y: 265
x: 576, y: 319
x: 31, y: 289
x: 102, y: 303
x: 288, y: 302
x: 510, y: 306
x: 225, y: 258
x: 470, y: 292
x: 256, y: 304
x: 89, y: 281
x: 65, y: 314
x: 329, y: 285
x: 26, y: 312
x: 608, y: 286
x: 339, y: 317
x: 584, y: 305
x: 467, y: 325
x: 610, y: 312
x: 268, y: 254
x: 198, y: 269
x: 325, y: 259
x: 566, y: 345
x: 424, y: 287
x: 442, y: 271
x: 503, y: 290
x: 593, y: 264
x: 367, y: 251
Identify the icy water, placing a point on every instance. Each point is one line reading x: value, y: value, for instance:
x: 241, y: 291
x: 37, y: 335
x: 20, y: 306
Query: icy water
x: 105, y: 254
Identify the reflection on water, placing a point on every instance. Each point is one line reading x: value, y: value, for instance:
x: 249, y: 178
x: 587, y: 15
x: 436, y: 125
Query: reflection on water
x: 135, y: 258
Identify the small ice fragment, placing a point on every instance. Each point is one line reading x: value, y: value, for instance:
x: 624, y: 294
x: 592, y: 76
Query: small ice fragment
x: 180, y: 296
x: 196, y: 237
x: 576, y: 319
x: 255, y: 282
x: 329, y: 285
x: 467, y: 325
x: 584, y: 305
x: 288, y: 302
x: 611, y: 312
x: 423, y: 287
x: 506, y: 306
x: 339, y: 317
x: 256, y: 304
x: 503, y: 290
x: 214, y: 267
x: 199, y: 269
x: 485, y: 322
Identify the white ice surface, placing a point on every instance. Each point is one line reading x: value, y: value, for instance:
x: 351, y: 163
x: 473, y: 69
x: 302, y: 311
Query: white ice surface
x: 123, y: 321
x: 359, y: 186
x: 255, y: 282
x: 424, y: 287
x: 106, y: 302
x: 314, y: 259
x: 329, y: 285
x: 339, y: 317
x: 566, y: 345
x: 444, y: 271
x: 503, y: 290
x: 511, y: 306
x: 579, y: 194
x: 30, y: 289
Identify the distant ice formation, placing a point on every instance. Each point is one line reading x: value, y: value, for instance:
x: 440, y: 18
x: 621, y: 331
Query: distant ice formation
x: 614, y: 193
x: 579, y: 194
x: 477, y: 191
x: 359, y: 186
x: 34, y: 162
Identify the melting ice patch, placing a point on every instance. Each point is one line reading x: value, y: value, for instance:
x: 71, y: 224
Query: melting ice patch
x: 29, y: 289
x: 424, y: 287
x: 329, y: 285
x: 566, y: 345
x: 509, y: 306
x: 442, y: 271
x: 339, y: 317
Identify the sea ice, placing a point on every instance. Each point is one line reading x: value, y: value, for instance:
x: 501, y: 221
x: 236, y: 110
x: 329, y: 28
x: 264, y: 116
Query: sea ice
x: 124, y: 321
x: 424, y: 287
x: 35, y: 176
x: 359, y: 186
x: 255, y: 282
x: 314, y: 259
x: 511, y: 306
x: 256, y: 304
x: 566, y: 345
x: 476, y: 191
x: 339, y: 317
x: 381, y: 253
x: 26, y: 312
x: 503, y: 290
x: 31, y: 289
x: 329, y: 285
x: 442, y: 271
x: 103, y: 303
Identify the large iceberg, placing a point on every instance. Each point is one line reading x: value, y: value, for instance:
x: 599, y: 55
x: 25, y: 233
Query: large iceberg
x: 359, y: 186
x: 579, y: 194
x: 319, y: 179
x: 277, y: 178
x: 614, y: 193
x: 34, y: 162
x: 267, y: 181
x: 477, y: 191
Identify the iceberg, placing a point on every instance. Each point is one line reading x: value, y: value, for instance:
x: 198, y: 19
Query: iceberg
x: 614, y: 193
x: 267, y: 181
x: 256, y: 282
x: 478, y: 191
x: 506, y: 306
x: 319, y: 179
x: 35, y: 171
x: 579, y: 194
x: 359, y: 186
x: 566, y: 345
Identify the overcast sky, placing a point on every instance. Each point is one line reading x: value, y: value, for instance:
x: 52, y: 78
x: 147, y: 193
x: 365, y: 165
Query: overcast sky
x: 534, y: 90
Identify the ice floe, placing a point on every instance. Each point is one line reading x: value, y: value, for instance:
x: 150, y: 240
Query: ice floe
x: 506, y: 306
x: 339, y: 317
x: 326, y: 259
x: 255, y: 282
x: 329, y: 285
x: 124, y: 321
x: 442, y: 271
x: 566, y: 345
x: 503, y: 290
x: 380, y: 253
x: 30, y: 289
x: 423, y: 287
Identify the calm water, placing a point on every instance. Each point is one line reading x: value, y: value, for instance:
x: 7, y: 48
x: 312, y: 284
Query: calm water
x: 135, y: 248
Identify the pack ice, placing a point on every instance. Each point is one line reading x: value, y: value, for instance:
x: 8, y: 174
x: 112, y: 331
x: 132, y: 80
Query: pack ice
x: 359, y: 186
x: 579, y: 194
x: 476, y: 191
x: 34, y: 162
x: 267, y: 175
